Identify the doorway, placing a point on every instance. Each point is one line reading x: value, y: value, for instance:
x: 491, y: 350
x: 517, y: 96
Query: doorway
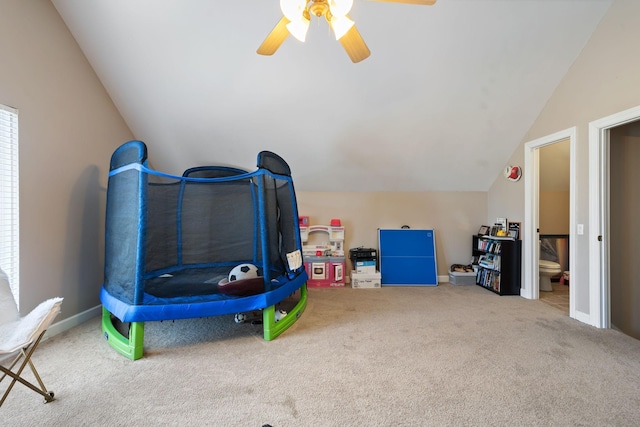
x: 553, y: 224
x: 600, y: 213
x: 530, y: 285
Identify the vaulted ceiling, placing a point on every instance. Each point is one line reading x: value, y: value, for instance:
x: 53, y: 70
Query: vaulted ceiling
x: 445, y: 98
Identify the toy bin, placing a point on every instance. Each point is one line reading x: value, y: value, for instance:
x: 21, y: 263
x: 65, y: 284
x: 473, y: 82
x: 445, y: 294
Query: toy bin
x: 462, y: 278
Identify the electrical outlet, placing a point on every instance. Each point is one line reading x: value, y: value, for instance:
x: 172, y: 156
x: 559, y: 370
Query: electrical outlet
x: 580, y: 229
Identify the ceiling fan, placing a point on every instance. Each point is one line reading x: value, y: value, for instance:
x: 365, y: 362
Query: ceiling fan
x: 297, y: 16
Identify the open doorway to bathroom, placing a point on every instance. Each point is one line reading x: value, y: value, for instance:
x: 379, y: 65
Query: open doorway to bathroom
x: 553, y: 224
x: 549, y: 204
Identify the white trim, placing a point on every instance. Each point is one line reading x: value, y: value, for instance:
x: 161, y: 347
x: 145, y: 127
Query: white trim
x: 73, y: 321
x: 529, y: 286
x: 8, y: 108
x: 595, y: 256
x: 598, y: 213
x: 573, y: 226
x: 530, y: 282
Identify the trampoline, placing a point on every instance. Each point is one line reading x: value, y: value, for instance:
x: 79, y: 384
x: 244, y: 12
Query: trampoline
x: 171, y: 241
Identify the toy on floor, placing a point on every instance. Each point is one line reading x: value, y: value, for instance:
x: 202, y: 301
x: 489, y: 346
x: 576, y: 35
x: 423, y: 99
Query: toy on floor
x: 280, y: 314
x: 324, y: 260
x: 256, y: 318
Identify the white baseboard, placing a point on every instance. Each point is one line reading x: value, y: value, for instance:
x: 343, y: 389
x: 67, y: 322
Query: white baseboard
x: 73, y: 321
x: 443, y: 279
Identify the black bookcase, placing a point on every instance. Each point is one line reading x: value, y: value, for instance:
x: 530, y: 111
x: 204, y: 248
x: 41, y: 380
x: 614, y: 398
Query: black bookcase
x: 499, y: 267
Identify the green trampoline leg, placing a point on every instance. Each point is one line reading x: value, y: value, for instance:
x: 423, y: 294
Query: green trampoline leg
x: 131, y: 347
x: 272, y: 328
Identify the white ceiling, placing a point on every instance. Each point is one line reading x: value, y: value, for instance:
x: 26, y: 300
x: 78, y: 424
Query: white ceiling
x: 445, y: 98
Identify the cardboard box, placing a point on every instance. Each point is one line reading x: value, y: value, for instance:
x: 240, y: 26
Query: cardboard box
x: 460, y: 278
x: 365, y: 281
x: 365, y: 267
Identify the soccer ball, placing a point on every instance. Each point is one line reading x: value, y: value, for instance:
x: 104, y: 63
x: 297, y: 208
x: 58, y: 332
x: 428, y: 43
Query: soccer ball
x: 243, y: 271
x: 279, y: 315
x: 240, y: 318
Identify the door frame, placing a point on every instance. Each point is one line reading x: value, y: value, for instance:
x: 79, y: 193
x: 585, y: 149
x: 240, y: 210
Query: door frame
x: 599, y: 275
x: 531, y: 286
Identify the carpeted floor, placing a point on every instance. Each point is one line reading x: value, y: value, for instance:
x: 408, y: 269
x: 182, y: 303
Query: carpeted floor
x: 437, y: 356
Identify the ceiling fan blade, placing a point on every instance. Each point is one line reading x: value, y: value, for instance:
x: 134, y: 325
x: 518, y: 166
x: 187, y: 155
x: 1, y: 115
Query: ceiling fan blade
x: 419, y: 2
x: 276, y: 37
x: 354, y: 45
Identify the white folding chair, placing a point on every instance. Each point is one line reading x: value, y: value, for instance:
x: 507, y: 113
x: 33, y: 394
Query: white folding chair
x: 20, y: 336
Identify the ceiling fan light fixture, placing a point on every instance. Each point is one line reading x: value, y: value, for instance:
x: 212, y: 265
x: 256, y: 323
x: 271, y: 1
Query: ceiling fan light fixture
x: 297, y: 18
x: 341, y: 25
x: 293, y: 10
x: 340, y: 7
x: 299, y: 28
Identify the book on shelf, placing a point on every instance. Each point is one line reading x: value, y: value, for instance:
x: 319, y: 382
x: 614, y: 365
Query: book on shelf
x: 489, y: 278
x: 490, y: 246
x: 490, y: 261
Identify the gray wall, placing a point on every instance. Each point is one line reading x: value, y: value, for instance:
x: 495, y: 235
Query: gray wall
x: 68, y: 130
x: 602, y: 81
x: 455, y: 216
x: 624, y: 193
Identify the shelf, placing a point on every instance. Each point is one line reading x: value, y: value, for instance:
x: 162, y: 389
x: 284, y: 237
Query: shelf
x: 497, y: 237
x: 499, y: 265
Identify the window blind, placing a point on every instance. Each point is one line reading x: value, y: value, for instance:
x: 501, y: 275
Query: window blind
x: 9, y: 201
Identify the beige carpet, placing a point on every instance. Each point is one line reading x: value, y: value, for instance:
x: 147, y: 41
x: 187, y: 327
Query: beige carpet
x: 434, y: 356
